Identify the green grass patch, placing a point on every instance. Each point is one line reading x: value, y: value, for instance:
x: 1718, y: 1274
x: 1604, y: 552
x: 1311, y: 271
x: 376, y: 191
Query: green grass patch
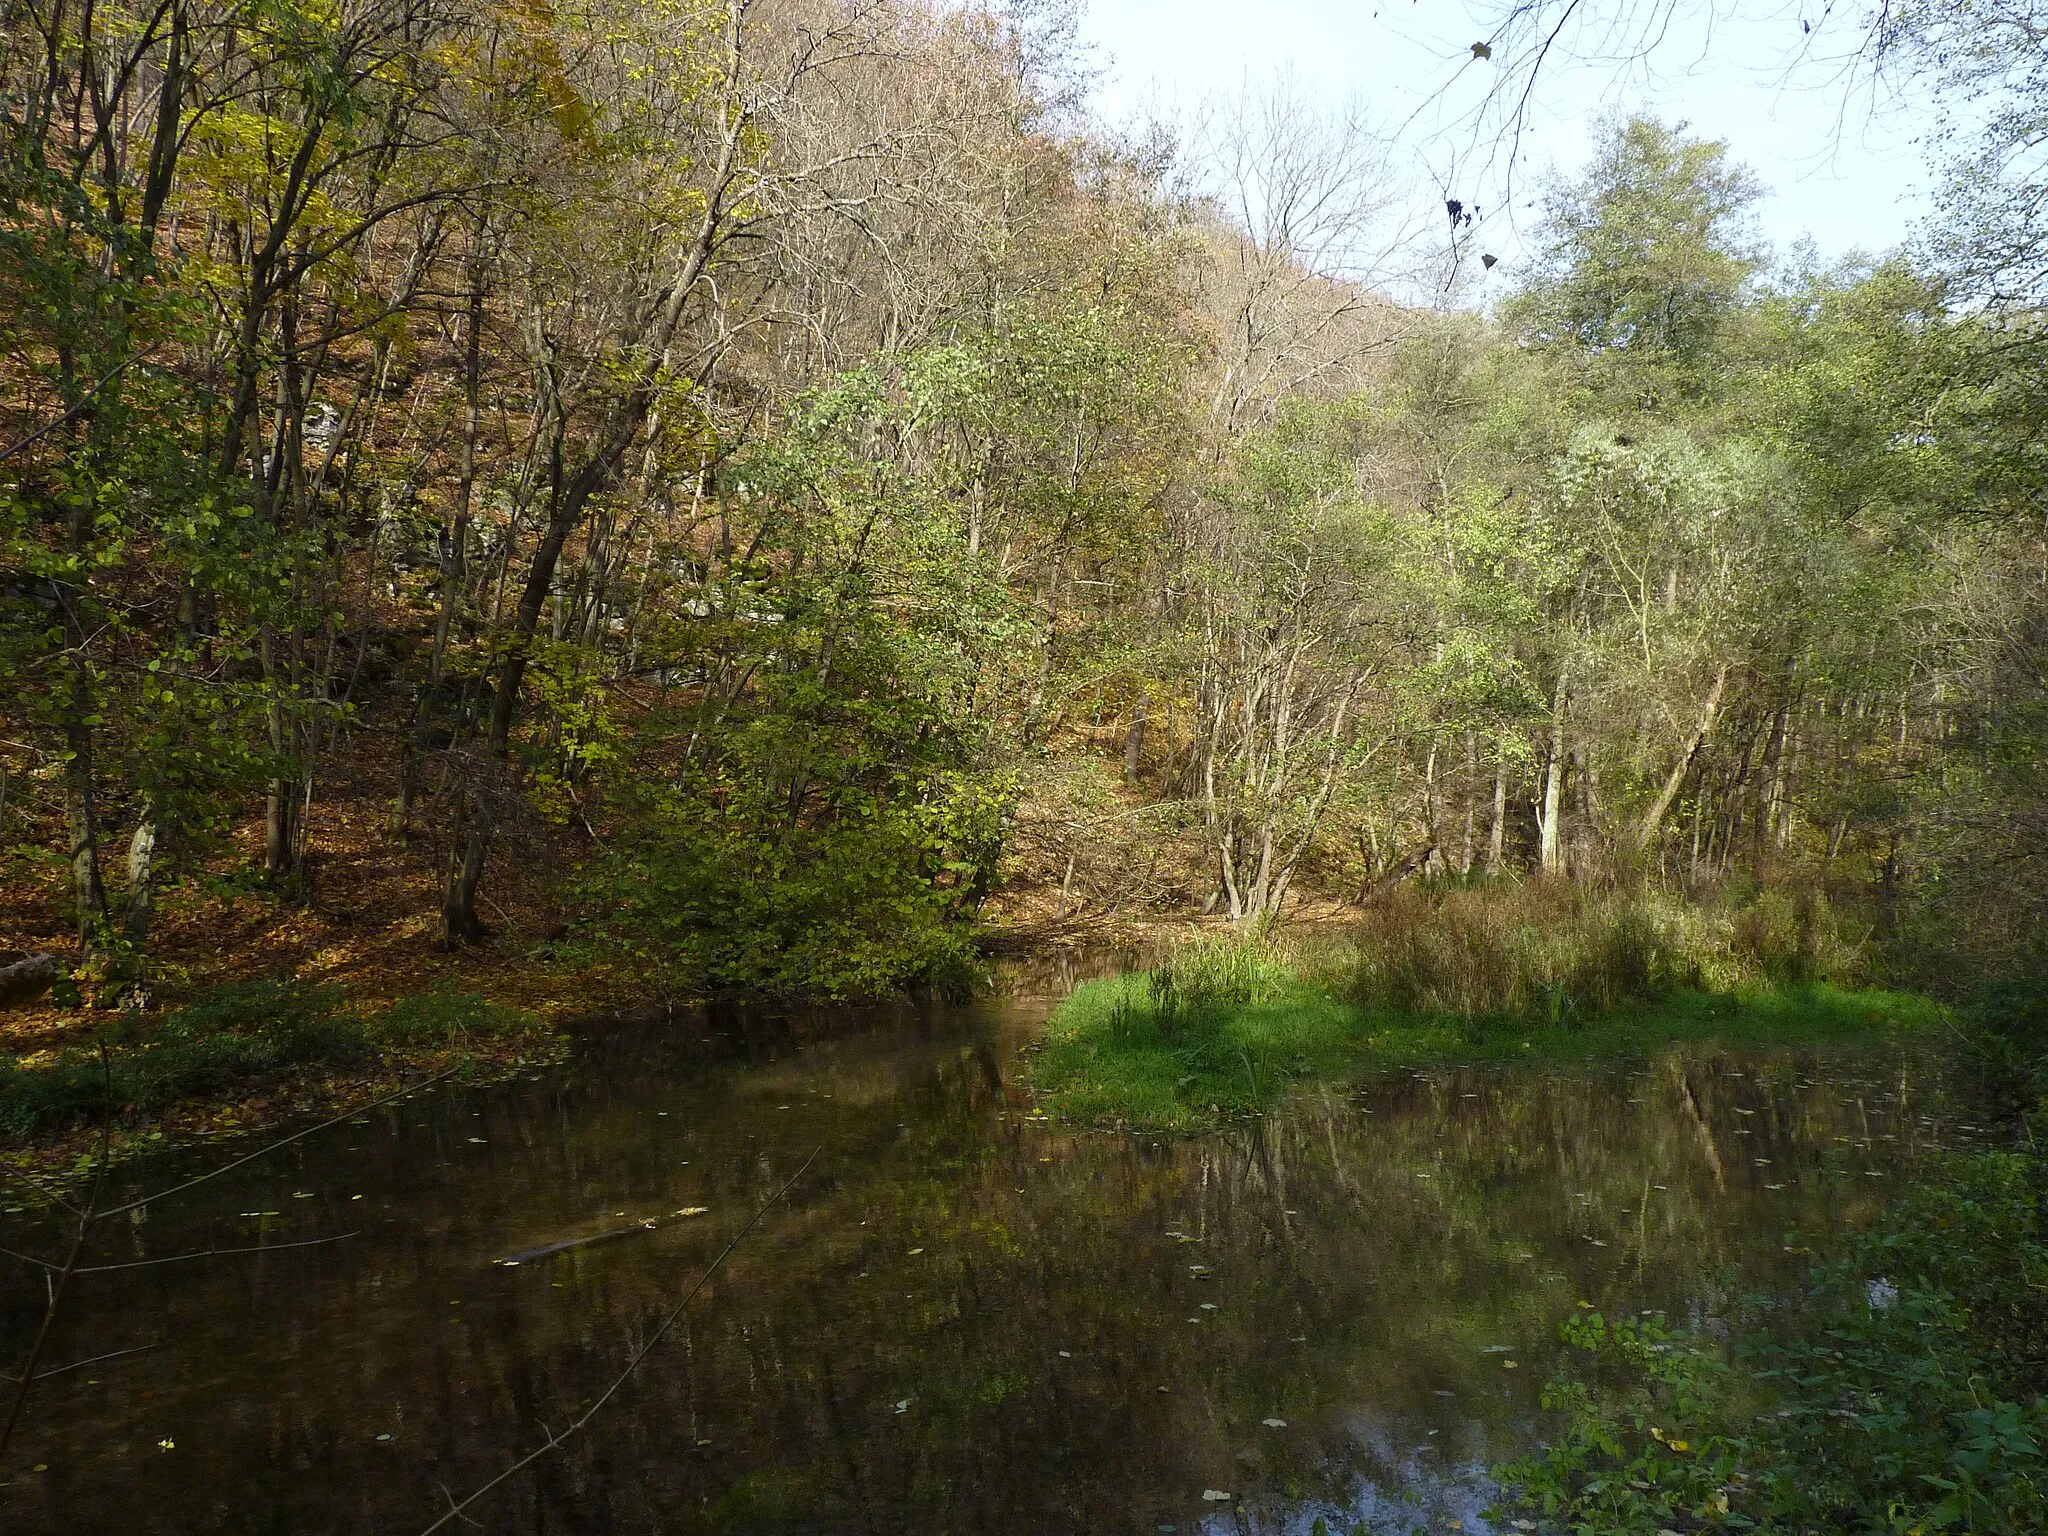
x: 1108, y: 1053
x: 235, y: 1040
x: 1504, y: 971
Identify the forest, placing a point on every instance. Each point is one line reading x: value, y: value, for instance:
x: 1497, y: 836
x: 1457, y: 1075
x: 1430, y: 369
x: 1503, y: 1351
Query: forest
x: 750, y: 491
x: 512, y: 509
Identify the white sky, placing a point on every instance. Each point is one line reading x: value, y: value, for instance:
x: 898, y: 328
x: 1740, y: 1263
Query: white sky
x: 1849, y: 180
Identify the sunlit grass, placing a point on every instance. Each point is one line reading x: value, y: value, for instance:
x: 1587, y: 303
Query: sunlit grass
x: 1108, y: 1055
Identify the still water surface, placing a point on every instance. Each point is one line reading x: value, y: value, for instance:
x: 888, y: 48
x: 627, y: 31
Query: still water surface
x: 960, y: 1320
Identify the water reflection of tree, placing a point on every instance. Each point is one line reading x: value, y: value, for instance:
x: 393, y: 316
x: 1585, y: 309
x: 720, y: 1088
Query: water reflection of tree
x: 1317, y: 1226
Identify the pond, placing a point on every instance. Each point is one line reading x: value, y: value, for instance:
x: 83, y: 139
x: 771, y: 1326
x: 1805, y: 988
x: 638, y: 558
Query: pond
x: 959, y: 1319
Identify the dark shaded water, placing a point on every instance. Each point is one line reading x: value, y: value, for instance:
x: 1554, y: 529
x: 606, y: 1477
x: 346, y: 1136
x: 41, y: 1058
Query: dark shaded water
x: 959, y: 1320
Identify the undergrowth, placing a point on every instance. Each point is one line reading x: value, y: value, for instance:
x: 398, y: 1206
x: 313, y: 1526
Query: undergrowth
x: 1901, y: 1394
x: 233, y: 1040
x: 1501, y: 972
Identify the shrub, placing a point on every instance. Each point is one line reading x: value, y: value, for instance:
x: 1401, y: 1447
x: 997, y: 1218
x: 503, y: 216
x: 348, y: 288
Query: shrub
x: 2004, y: 1043
x: 1903, y: 1395
x: 1548, y: 952
x: 224, y: 1041
x: 450, y: 1018
x: 701, y: 902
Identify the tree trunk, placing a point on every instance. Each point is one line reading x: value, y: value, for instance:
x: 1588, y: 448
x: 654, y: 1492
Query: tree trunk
x: 1551, y: 842
x: 1465, y: 852
x: 88, y: 892
x: 1496, y: 833
x: 141, y: 881
x: 1653, y: 819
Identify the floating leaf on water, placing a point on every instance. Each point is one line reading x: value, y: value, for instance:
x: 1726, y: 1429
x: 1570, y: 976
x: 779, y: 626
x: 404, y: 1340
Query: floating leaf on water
x: 915, y: 1252
x: 1510, y: 1365
x: 302, y: 1194
x: 1215, y: 1495
x: 903, y: 1406
x: 167, y: 1445
x: 385, y: 1436
x: 1208, y: 1306
x: 1066, y: 1354
x: 1274, y: 1423
x: 1496, y: 1349
x: 693, y: 1210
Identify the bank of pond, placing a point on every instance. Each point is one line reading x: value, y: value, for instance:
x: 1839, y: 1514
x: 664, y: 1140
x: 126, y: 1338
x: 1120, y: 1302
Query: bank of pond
x: 1793, y: 1274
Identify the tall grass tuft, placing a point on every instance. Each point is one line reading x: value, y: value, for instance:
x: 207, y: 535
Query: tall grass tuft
x: 1549, y: 952
x: 1208, y: 979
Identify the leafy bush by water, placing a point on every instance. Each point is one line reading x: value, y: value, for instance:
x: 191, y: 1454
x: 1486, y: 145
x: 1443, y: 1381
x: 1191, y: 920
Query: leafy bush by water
x: 1903, y: 1395
x: 2003, y: 1043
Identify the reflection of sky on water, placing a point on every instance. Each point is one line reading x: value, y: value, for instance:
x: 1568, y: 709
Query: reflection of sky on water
x: 961, y: 1319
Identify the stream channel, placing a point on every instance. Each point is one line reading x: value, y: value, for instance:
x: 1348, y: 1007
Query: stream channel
x: 960, y: 1319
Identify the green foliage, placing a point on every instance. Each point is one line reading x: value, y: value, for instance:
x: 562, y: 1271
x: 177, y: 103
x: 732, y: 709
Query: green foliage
x: 2002, y: 1043
x: 1223, y: 1025
x: 1643, y: 260
x: 1216, y: 1031
x: 280, y: 1006
x: 235, y: 1039
x: 1201, y: 983
x: 1553, y: 953
x: 449, y: 1018
x: 1901, y: 1395
x: 230, y: 1040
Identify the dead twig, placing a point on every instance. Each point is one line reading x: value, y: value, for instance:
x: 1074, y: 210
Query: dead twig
x: 112, y: 1354
x: 285, y: 1141
x: 59, y: 1276
x: 62, y: 1279
x: 215, y: 1253
x: 554, y: 1440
